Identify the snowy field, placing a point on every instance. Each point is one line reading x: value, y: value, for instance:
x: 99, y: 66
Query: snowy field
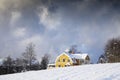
x: 84, y: 72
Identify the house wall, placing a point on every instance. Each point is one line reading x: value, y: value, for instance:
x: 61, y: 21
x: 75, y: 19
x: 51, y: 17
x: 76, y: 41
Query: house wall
x: 78, y: 62
x: 87, y: 60
x: 63, y: 60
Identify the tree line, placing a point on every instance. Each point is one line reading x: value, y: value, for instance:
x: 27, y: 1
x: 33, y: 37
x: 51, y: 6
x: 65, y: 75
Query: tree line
x: 27, y: 62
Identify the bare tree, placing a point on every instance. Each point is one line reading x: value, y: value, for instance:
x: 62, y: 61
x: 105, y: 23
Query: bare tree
x: 29, y: 54
x: 8, y: 61
x: 73, y: 49
x: 19, y: 62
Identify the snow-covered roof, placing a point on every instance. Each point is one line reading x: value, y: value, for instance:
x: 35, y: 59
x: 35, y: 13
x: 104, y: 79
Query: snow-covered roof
x: 79, y: 56
x: 51, y: 64
x: 76, y: 55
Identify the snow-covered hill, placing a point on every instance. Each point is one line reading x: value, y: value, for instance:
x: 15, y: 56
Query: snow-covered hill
x: 84, y: 72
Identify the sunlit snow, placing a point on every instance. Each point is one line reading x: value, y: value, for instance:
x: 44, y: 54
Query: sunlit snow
x: 84, y: 72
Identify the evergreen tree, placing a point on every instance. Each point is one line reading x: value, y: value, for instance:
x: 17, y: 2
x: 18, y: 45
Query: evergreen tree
x: 8, y: 64
x: 45, y: 61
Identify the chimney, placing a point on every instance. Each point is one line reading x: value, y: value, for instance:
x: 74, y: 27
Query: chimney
x: 73, y: 51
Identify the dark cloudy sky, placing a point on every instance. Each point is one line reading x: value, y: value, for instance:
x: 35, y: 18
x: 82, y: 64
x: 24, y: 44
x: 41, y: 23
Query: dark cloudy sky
x: 54, y: 25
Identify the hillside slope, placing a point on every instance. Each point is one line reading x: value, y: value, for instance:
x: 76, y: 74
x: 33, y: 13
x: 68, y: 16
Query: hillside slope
x: 84, y: 72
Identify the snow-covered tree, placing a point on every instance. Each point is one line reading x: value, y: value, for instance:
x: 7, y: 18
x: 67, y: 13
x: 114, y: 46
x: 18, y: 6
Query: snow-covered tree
x: 112, y: 50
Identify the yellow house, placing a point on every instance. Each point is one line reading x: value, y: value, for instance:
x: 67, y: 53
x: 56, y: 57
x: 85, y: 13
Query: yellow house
x: 69, y: 59
x: 63, y: 60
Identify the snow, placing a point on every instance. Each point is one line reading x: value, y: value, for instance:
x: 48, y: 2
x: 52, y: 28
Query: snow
x: 79, y: 56
x: 84, y: 72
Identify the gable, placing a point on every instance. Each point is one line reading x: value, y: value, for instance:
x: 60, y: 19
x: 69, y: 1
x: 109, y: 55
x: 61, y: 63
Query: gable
x: 62, y: 56
x: 87, y: 58
x: 63, y: 60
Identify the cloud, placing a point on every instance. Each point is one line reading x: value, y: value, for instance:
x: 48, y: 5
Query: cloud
x: 35, y: 39
x: 48, y: 19
x: 15, y: 16
x: 19, y: 32
x: 42, y: 45
x: 54, y: 25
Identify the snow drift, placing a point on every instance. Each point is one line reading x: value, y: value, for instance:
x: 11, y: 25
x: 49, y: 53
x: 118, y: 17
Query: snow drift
x: 84, y: 72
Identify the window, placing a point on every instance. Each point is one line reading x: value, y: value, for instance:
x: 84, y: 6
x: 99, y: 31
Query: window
x: 63, y: 60
x: 82, y: 61
x: 68, y: 60
x: 87, y: 58
x: 59, y: 66
x: 58, y: 60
